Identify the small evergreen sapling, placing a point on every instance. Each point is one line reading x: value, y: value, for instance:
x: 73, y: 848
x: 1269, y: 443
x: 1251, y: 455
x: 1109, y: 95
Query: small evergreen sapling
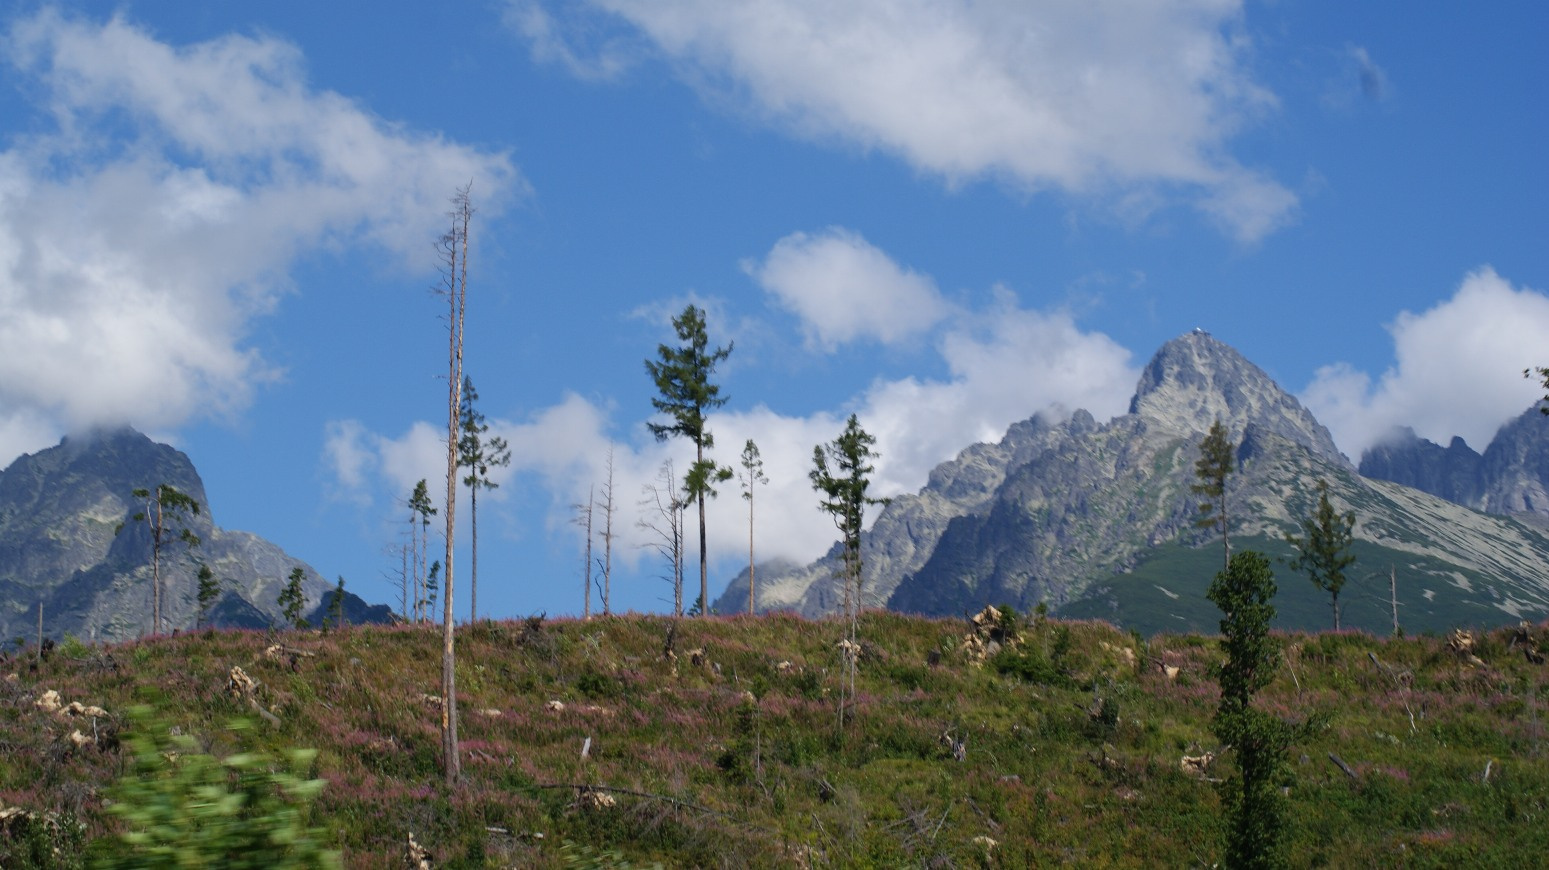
x: 1323, y: 550
x: 292, y: 600
x: 209, y: 591
x: 1256, y: 813
x: 1212, y: 469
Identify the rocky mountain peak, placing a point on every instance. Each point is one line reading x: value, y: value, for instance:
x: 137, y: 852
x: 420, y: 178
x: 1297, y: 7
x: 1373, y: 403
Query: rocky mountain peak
x: 1196, y: 379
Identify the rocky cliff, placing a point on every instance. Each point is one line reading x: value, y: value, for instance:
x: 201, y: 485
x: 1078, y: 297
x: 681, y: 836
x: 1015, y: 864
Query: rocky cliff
x: 68, y: 540
x: 1063, y: 511
x: 1510, y: 478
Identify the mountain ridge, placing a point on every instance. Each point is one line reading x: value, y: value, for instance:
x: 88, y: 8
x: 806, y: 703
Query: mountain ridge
x: 68, y: 540
x: 1058, y: 509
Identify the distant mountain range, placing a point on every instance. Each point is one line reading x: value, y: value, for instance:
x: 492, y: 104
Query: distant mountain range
x: 1096, y: 519
x: 60, y: 545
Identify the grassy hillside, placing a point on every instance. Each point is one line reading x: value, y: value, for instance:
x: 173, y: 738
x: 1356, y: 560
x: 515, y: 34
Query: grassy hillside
x: 1070, y: 743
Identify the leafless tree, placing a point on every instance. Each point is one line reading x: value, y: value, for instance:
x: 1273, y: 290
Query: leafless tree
x: 609, y: 508
x: 583, y: 518
x: 453, y: 249
x: 664, y: 508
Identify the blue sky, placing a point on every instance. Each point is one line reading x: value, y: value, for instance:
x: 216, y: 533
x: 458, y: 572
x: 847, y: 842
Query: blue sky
x: 216, y: 224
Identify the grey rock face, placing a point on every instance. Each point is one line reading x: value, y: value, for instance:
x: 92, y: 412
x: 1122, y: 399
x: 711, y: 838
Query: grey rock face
x: 1510, y: 478
x: 60, y: 543
x: 1060, y: 505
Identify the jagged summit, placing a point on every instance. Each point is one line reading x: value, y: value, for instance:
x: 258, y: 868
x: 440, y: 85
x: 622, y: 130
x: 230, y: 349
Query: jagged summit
x: 1196, y: 379
x: 68, y: 540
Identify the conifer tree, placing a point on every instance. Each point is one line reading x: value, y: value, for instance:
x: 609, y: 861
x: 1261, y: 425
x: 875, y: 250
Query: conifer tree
x: 1256, y: 814
x: 419, y: 507
x: 1212, y: 469
x: 752, y: 475
x: 478, y: 455
x: 682, y: 378
x: 293, y: 601
x: 166, y: 509
x: 841, y: 473
x: 209, y: 589
x: 335, y: 617
x: 1323, y: 550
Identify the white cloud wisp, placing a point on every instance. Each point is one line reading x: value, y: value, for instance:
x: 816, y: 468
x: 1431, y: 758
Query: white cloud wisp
x: 1093, y: 98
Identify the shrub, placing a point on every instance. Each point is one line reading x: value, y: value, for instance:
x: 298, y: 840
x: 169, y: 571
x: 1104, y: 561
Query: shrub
x: 183, y: 807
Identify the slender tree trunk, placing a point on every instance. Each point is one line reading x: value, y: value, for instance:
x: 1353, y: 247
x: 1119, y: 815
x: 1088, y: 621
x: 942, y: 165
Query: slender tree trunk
x: 1393, y: 595
x: 750, y: 548
x: 607, y: 539
x: 1226, y: 541
x: 458, y: 293
x: 586, y: 569
x: 473, y: 576
x: 156, y: 571
x: 704, y: 574
x: 1335, y: 599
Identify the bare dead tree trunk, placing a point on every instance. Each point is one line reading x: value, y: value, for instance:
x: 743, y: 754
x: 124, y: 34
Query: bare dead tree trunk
x: 457, y: 298
x: 608, y: 510
x: 584, y: 520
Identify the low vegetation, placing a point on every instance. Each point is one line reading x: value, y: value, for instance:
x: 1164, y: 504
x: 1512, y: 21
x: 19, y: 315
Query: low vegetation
x: 1006, y: 741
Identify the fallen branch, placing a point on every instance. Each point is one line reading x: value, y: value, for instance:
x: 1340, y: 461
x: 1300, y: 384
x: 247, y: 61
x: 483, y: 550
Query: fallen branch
x: 1345, y: 767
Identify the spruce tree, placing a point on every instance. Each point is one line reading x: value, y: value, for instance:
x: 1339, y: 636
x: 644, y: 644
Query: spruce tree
x: 1323, y: 550
x: 752, y: 475
x: 682, y: 378
x: 1255, y: 810
x: 292, y: 600
x: 477, y: 454
x: 841, y: 473
x: 1212, y: 468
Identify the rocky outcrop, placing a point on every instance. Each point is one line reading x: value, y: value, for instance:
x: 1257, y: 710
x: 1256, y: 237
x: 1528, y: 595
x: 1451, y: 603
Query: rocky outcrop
x: 68, y: 540
x: 1510, y: 478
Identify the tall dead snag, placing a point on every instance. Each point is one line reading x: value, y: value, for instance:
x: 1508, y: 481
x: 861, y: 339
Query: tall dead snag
x: 583, y: 518
x: 609, y: 508
x: 453, y: 248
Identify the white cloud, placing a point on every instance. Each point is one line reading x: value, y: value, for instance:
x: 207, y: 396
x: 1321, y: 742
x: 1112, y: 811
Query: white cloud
x: 1456, y: 370
x: 844, y: 289
x: 1098, y: 98
x: 144, y: 230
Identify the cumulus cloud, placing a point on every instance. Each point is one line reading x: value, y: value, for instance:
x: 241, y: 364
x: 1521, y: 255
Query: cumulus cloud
x: 844, y: 289
x: 1102, y: 98
x: 1455, y: 369
x: 156, y: 209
